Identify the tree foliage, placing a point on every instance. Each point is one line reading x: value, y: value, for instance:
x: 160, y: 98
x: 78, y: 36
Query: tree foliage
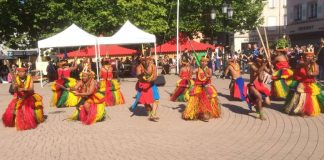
x: 24, y: 22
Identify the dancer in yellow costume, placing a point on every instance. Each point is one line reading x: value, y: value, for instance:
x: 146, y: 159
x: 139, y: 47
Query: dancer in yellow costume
x: 91, y: 106
x: 61, y: 97
x: 203, y: 101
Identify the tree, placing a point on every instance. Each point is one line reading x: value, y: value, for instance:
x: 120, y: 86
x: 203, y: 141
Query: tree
x: 24, y: 22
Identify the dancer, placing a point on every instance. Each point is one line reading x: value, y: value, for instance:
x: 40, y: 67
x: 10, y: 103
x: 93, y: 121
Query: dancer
x: 282, y: 76
x: 181, y: 93
x: 307, y: 99
x: 110, y: 86
x: 237, y: 87
x: 91, y: 106
x: 62, y: 98
x: 203, y: 101
x: 147, y: 91
x: 25, y: 111
x: 258, y: 93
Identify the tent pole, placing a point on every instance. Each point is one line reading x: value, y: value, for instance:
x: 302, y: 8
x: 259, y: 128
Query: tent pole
x: 178, y: 4
x: 39, y: 59
x: 96, y: 52
x: 156, y: 61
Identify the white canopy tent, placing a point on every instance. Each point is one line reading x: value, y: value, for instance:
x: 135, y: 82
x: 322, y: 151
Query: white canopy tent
x: 71, y: 37
x: 129, y: 34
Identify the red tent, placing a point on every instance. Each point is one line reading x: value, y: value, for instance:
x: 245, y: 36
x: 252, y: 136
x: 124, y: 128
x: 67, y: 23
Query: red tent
x: 111, y: 50
x: 184, y: 43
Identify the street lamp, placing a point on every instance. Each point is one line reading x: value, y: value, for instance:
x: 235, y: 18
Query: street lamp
x: 229, y: 11
x: 213, y: 17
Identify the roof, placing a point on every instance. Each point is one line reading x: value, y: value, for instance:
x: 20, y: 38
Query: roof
x: 111, y: 50
x: 184, y: 43
x: 128, y: 34
x: 71, y: 36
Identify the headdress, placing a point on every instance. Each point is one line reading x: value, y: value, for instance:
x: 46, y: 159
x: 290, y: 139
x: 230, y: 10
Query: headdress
x: 20, y: 68
x: 204, y: 58
x: 87, y: 72
x: 309, y: 51
x: 63, y: 62
x: 105, y: 61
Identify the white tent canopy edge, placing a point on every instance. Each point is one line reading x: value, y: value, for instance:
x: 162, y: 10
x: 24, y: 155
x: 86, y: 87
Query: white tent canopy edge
x: 70, y: 37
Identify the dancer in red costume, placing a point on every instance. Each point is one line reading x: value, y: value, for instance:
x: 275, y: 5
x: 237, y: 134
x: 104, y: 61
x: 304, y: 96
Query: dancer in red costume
x: 25, y: 110
x: 307, y: 98
x: 258, y: 92
x: 203, y: 101
x: 147, y: 91
x: 110, y: 86
x: 181, y: 93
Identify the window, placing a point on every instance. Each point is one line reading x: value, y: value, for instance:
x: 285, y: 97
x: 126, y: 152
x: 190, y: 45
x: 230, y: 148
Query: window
x: 272, y: 23
x: 298, y: 12
x: 285, y: 20
x: 271, y: 3
x: 284, y: 3
x: 312, y: 10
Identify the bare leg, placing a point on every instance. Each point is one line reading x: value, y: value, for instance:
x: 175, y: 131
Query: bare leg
x: 258, y: 106
x: 155, y: 106
x: 86, y: 106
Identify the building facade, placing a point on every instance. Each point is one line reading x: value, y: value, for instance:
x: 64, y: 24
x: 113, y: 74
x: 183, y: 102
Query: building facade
x: 305, y: 21
x: 275, y: 20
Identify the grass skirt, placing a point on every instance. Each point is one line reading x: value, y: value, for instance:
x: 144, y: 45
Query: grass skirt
x: 113, y: 95
x: 96, y: 111
x: 181, y: 93
x: 281, y: 83
x: 24, y: 113
x: 307, y: 99
x: 62, y: 98
x: 202, y: 102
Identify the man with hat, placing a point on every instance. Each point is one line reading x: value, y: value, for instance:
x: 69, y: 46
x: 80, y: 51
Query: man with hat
x: 282, y: 76
x: 203, y: 101
x: 147, y: 91
x: 91, y: 106
x: 307, y: 98
x: 25, y: 111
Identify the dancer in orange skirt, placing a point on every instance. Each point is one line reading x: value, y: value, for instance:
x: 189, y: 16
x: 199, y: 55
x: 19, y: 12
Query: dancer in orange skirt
x: 25, y: 111
x: 181, y: 93
x: 203, y: 102
x: 307, y: 98
x: 110, y: 86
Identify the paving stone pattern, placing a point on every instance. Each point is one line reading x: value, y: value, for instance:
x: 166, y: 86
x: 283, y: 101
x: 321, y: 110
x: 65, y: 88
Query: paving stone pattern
x: 236, y: 135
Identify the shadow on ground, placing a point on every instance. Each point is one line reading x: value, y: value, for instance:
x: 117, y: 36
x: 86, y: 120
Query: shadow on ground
x: 237, y: 109
x: 139, y: 111
x: 180, y: 108
x: 56, y: 112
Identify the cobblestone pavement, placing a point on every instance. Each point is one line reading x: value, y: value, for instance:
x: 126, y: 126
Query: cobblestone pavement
x: 236, y: 135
